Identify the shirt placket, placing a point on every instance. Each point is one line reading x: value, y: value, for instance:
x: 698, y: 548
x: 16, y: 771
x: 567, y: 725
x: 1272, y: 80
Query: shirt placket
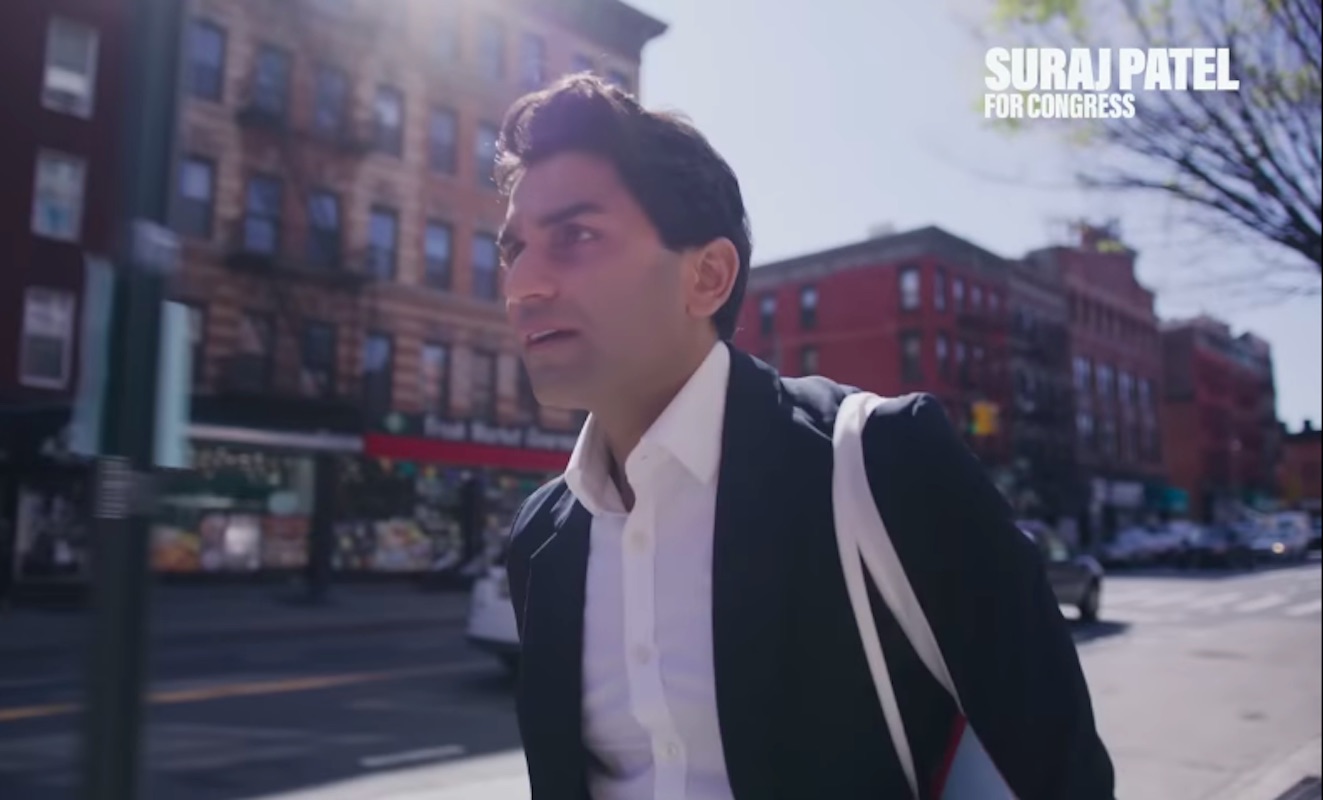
x: 647, y: 690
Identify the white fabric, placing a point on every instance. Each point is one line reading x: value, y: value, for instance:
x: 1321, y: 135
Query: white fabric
x: 649, y: 698
x: 861, y: 533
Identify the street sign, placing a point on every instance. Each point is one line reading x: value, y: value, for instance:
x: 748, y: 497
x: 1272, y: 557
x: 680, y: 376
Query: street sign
x: 94, y: 351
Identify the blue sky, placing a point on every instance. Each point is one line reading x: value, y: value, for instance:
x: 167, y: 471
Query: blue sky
x: 870, y: 114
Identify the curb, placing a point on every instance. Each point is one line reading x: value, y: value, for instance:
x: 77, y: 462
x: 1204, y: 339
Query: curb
x: 248, y: 633
x: 1277, y: 776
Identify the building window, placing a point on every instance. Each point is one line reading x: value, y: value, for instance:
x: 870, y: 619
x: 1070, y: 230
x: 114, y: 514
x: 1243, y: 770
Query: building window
x: 437, y: 254
x: 45, y: 358
x: 1103, y: 377
x: 271, y: 81
x: 442, y: 140
x: 484, y: 154
x: 383, y: 235
x: 378, y: 370
x: 942, y: 351
x: 1084, y: 428
x: 1125, y: 387
x: 486, y: 264
x: 388, y: 121
x: 961, y: 361
x: 69, y: 84
x: 976, y: 297
x: 808, y: 361
x: 808, y: 307
x: 197, y: 339
x: 1108, y: 439
x: 939, y: 290
x: 197, y: 191
x: 324, y: 229
x: 261, y: 222
x: 57, y: 202
x: 434, y: 377
x: 1145, y: 395
x: 317, y: 367
x: 331, y: 101
x: 255, y: 350
x: 994, y: 301
x: 1083, y: 372
x: 491, y: 48
x: 581, y: 63
x: 911, y: 357
x: 482, y: 386
x: 533, y: 61
x: 767, y: 314
x: 206, y: 60
x: 911, y: 292
x: 620, y: 80
x: 978, y: 367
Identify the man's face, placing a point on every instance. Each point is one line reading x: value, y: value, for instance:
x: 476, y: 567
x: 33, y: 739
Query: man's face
x: 596, y: 298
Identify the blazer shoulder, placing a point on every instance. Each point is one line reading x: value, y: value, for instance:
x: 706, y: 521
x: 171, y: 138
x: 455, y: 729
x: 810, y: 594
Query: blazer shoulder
x: 534, y: 514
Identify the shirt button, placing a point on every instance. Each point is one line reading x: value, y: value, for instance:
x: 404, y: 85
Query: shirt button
x: 639, y: 541
x: 671, y: 751
x: 642, y: 653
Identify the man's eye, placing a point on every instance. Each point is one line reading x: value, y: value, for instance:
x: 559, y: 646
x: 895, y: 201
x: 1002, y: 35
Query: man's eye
x: 573, y: 234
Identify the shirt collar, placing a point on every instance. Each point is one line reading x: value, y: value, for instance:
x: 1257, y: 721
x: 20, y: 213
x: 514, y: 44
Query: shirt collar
x: 689, y: 429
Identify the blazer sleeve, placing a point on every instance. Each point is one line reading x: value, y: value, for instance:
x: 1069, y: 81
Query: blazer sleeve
x: 984, y: 587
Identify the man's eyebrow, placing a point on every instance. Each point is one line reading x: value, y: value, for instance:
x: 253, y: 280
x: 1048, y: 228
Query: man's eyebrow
x: 506, y: 238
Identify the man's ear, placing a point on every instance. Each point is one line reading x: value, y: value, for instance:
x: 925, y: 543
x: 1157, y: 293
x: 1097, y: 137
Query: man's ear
x: 711, y: 273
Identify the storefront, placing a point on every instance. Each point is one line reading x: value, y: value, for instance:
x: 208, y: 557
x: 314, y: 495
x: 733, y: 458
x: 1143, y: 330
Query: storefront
x: 45, y: 511
x: 424, y: 495
x: 248, y: 504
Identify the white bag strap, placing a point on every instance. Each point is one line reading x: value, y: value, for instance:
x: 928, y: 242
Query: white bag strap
x: 861, y: 533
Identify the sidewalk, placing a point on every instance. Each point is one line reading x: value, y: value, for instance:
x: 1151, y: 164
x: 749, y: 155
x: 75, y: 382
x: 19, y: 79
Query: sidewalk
x: 496, y: 777
x: 184, y: 614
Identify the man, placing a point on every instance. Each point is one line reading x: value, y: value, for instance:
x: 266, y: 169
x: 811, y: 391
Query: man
x: 686, y: 632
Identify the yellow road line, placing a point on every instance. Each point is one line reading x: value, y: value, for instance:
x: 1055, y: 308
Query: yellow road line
x: 281, y: 686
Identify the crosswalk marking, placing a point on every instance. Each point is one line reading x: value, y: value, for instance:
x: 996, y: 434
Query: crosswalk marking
x: 1162, y: 600
x: 1312, y: 607
x: 1261, y: 604
x: 1215, y: 601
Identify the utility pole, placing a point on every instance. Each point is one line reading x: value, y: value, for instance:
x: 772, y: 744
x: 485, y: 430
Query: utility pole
x: 145, y: 252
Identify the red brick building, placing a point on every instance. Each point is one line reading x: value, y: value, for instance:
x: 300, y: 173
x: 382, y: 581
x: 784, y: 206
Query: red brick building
x: 1222, y: 438
x: 61, y: 76
x: 62, y: 71
x: 922, y: 310
x: 1300, y: 473
x: 1116, y: 362
x: 333, y: 190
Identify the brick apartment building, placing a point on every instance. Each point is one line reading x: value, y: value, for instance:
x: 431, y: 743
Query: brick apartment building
x: 1042, y: 405
x: 1222, y: 437
x: 922, y: 310
x: 334, y: 192
x: 1300, y: 473
x: 60, y: 83
x: 1116, y: 363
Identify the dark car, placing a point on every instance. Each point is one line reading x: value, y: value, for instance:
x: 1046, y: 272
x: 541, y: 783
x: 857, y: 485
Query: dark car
x: 1076, y: 578
x: 1217, y: 546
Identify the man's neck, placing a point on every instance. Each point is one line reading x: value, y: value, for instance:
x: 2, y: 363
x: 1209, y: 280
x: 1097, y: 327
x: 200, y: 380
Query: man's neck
x: 631, y: 414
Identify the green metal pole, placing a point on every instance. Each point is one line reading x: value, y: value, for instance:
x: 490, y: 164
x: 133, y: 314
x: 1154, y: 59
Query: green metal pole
x: 111, y: 756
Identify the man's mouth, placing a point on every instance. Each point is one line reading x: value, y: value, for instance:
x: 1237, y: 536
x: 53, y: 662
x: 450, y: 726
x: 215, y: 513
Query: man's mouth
x: 544, y: 336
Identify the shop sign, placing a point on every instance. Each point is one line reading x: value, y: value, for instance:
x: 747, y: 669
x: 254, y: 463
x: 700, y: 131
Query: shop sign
x: 1127, y: 494
x: 468, y: 431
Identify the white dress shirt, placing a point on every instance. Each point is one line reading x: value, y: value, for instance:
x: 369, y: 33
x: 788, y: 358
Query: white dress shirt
x: 649, y: 697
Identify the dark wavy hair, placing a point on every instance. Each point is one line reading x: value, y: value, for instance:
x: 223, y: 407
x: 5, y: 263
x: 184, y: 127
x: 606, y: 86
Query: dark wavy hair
x: 686, y: 188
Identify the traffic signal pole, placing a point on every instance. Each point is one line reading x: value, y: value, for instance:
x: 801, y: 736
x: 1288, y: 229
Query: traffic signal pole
x: 144, y: 254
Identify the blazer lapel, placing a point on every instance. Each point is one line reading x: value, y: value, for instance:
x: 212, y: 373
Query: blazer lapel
x: 553, y: 641
x: 750, y: 566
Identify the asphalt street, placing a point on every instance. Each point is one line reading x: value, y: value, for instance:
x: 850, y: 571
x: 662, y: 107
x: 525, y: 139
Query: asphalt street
x: 1206, y: 685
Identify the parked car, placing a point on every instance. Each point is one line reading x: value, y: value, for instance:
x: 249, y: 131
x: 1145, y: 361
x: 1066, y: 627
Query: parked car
x: 1316, y: 535
x: 492, y: 626
x: 1217, y: 546
x: 1076, y: 578
x: 1283, y: 537
x: 1137, y: 546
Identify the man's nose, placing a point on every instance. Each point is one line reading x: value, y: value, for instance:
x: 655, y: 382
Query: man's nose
x: 528, y: 279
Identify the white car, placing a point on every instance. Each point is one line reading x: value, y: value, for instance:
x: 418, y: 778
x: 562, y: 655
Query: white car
x: 492, y: 626
x: 1285, y: 538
